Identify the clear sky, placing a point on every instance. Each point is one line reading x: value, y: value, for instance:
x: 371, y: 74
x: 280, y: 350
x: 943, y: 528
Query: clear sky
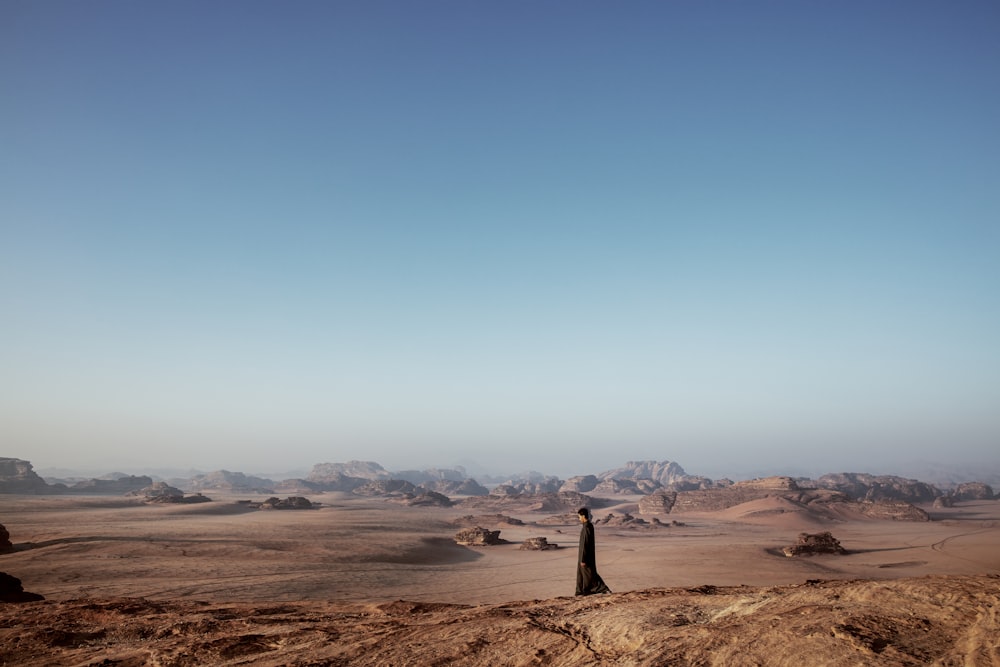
x: 522, y: 235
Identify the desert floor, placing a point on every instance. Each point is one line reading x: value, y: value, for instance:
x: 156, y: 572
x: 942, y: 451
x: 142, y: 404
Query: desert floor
x: 373, y: 550
x: 369, y: 582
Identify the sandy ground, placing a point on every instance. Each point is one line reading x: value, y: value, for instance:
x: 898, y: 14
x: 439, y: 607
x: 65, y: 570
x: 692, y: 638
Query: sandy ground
x: 369, y: 582
x: 352, y: 550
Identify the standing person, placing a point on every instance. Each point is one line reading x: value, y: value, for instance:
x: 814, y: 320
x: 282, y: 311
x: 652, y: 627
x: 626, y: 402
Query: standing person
x: 588, y: 581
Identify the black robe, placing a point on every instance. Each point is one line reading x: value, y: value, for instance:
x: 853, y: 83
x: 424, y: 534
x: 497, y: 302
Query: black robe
x: 588, y: 581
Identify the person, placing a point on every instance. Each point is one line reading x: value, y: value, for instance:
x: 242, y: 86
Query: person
x: 588, y: 581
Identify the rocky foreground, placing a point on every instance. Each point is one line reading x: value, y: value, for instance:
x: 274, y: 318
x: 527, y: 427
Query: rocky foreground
x: 940, y: 620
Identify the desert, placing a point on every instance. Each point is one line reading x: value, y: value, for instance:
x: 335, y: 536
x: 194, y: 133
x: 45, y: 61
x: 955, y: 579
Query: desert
x: 381, y: 580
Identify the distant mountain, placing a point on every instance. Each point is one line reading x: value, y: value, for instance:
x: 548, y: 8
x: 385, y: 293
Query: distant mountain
x: 363, y: 469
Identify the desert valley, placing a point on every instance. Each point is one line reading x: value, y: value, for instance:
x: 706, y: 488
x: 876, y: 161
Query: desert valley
x: 358, y: 565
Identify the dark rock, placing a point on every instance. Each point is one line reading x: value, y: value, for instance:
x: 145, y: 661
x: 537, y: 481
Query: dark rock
x: 814, y: 543
x: 289, y: 503
x: 11, y: 590
x: 6, y: 546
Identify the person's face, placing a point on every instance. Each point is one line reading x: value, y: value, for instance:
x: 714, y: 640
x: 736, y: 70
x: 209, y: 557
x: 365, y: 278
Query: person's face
x: 583, y: 518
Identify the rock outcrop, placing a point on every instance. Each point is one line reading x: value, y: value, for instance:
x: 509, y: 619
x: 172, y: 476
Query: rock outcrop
x: 862, y: 486
x: 387, y: 487
x: 580, y: 484
x: 18, y: 476
x: 537, y: 544
x: 664, y: 472
x: 325, y: 472
x: 470, y: 520
x: 892, y: 511
x: 973, y: 491
x: 814, y: 543
x: 450, y: 487
x: 626, y: 487
x: 427, y: 499
x: 11, y: 590
x: 289, y: 503
x: 6, y: 546
x: 122, y: 485
x: 477, y: 536
x: 626, y: 520
x: 163, y: 493
x: 658, y: 503
x: 232, y: 482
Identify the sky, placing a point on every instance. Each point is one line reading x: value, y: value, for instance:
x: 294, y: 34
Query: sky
x: 553, y: 236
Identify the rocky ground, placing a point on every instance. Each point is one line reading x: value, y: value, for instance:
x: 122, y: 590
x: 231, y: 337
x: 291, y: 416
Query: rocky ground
x: 936, y: 620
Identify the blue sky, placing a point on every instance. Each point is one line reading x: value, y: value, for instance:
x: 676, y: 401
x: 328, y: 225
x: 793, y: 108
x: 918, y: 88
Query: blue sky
x: 523, y: 235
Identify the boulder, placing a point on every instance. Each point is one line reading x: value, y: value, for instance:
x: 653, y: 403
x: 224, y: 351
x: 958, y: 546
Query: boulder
x: 478, y: 536
x: 814, y: 543
x: 537, y: 544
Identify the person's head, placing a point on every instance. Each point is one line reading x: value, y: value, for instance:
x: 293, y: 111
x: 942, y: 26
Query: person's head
x: 584, y: 514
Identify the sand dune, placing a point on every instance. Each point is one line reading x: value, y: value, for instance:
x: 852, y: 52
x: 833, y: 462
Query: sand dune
x: 333, y: 570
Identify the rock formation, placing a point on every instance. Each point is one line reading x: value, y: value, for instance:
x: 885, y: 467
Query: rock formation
x: 289, y: 503
x: 664, y: 472
x: 449, y: 487
x: 626, y: 487
x: 11, y: 590
x: 6, y: 546
x: 323, y: 472
x: 537, y: 544
x: 892, y: 511
x: 234, y: 482
x: 18, y: 476
x: 161, y: 492
x: 862, y: 486
x: 122, y: 485
x: 478, y: 536
x: 470, y: 520
x: 427, y: 499
x: 660, y: 502
x: 387, y: 487
x: 580, y: 484
x: 625, y: 520
x: 973, y: 491
x: 814, y: 543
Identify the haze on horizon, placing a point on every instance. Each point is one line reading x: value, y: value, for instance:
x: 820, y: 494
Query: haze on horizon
x: 521, y: 236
